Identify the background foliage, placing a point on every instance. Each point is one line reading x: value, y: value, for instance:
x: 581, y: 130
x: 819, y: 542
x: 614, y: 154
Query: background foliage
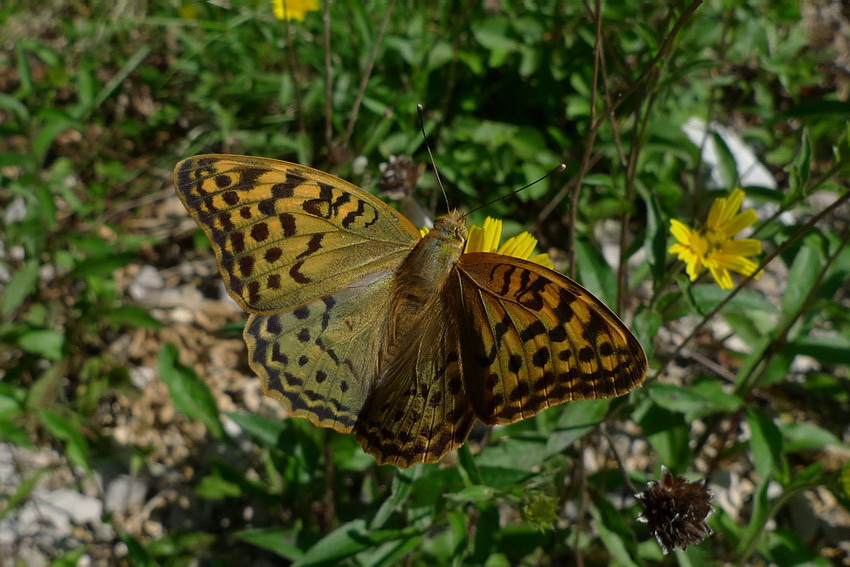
x: 99, y: 100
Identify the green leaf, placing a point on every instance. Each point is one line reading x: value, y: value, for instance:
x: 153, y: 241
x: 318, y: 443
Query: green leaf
x: 468, y: 469
x: 70, y: 559
x: 228, y: 481
x: 667, y: 432
x: 799, y: 170
x: 475, y: 493
x: 193, y: 543
x: 43, y: 342
x: 21, y: 493
x: 613, y: 541
x: 190, y: 395
x: 134, y: 316
x: 265, y: 431
x: 807, y: 437
x: 656, y: 236
x: 838, y: 108
x: 399, y: 492
x: 486, y: 529
x: 215, y: 487
x: 68, y: 431
x: 137, y: 555
x: 22, y: 284
x: 116, y: 80
x: 695, y: 400
x: 433, y: 484
x: 758, y: 518
x: 576, y: 420
x: 503, y: 454
x: 501, y: 477
x: 14, y: 434
x: 54, y: 123
x: 274, y: 540
x: 102, y: 265
x: 348, y: 540
x: 802, y: 277
x: 766, y: 442
x: 726, y: 162
x: 594, y: 272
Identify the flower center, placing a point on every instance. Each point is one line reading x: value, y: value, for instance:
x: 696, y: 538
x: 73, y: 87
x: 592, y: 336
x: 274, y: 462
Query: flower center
x: 714, y: 239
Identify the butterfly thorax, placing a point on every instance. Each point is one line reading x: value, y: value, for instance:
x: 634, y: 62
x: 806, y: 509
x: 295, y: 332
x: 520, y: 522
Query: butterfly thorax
x: 424, y: 272
x: 422, y: 276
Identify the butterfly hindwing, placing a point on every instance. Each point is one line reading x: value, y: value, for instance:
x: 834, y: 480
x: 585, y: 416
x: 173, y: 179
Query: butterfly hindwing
x: 419, y: 409
x: 532, y: 338
x: 319, y: 359
x: 285, y: 234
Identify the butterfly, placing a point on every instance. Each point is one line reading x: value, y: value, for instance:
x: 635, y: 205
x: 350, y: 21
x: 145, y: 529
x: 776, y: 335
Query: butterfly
x: 361, y: 325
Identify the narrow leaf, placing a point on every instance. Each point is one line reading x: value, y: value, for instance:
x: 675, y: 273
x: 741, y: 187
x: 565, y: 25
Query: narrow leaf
x: 190, y: 395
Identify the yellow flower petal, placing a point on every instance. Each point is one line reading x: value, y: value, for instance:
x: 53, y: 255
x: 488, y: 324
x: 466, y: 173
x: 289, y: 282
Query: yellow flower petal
x: 474, y: 239
x: 293, y: 9
x: 543, y: 260
x: 723, y: 209
x: 722, y: 277
x: 738, y: 264
x: 486, y: 239
x: 520, y: 246
x: 693, y: 267
x: 713, y: 246
x: 742, y: 247
x: 492, y: 233
x: 741, y: 221
x: 680, y: 231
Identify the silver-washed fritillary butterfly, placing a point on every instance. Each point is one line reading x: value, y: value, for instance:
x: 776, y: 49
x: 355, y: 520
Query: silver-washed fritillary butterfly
x: 359, y: 324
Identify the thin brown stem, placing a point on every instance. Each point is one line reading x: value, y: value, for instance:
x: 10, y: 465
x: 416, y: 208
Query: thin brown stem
x: 326, y: 21
x: 591, y: 138
x: 756, y: 373
x: 291, y: 66
x: 662, y: 52
x: 364, y: 81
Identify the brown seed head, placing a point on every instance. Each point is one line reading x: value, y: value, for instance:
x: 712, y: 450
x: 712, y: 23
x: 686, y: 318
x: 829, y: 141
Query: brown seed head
x: 676, y: 511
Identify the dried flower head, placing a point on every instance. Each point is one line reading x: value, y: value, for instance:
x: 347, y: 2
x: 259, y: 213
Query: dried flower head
x: 676, y: 511
x: 400, y: 174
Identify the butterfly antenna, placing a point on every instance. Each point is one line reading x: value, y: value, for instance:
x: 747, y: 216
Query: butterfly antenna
x: 560, y: 168
x: 421, y: 111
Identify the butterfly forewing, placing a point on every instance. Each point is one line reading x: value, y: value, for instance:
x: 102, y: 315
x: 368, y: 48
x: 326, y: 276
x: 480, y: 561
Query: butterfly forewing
x: 285, y: 234
x: 533, y: 338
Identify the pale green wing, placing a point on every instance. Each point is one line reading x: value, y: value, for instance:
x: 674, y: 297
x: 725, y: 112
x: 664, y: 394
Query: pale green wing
x: 319, y: 359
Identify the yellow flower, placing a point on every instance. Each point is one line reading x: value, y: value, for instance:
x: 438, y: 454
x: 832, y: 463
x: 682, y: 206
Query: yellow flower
x: 713, y: 246
x: 486, y: 239
x: 293, y: 9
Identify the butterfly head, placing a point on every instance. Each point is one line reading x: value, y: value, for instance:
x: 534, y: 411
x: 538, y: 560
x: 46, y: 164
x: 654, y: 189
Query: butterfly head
x: 450, y: 229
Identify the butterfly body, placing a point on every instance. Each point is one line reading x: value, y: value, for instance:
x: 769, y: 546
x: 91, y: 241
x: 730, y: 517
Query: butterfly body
x: 359, y: 324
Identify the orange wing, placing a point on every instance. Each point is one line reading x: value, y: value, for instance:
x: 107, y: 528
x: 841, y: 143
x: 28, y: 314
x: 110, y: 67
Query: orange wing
x: 532, y: 338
